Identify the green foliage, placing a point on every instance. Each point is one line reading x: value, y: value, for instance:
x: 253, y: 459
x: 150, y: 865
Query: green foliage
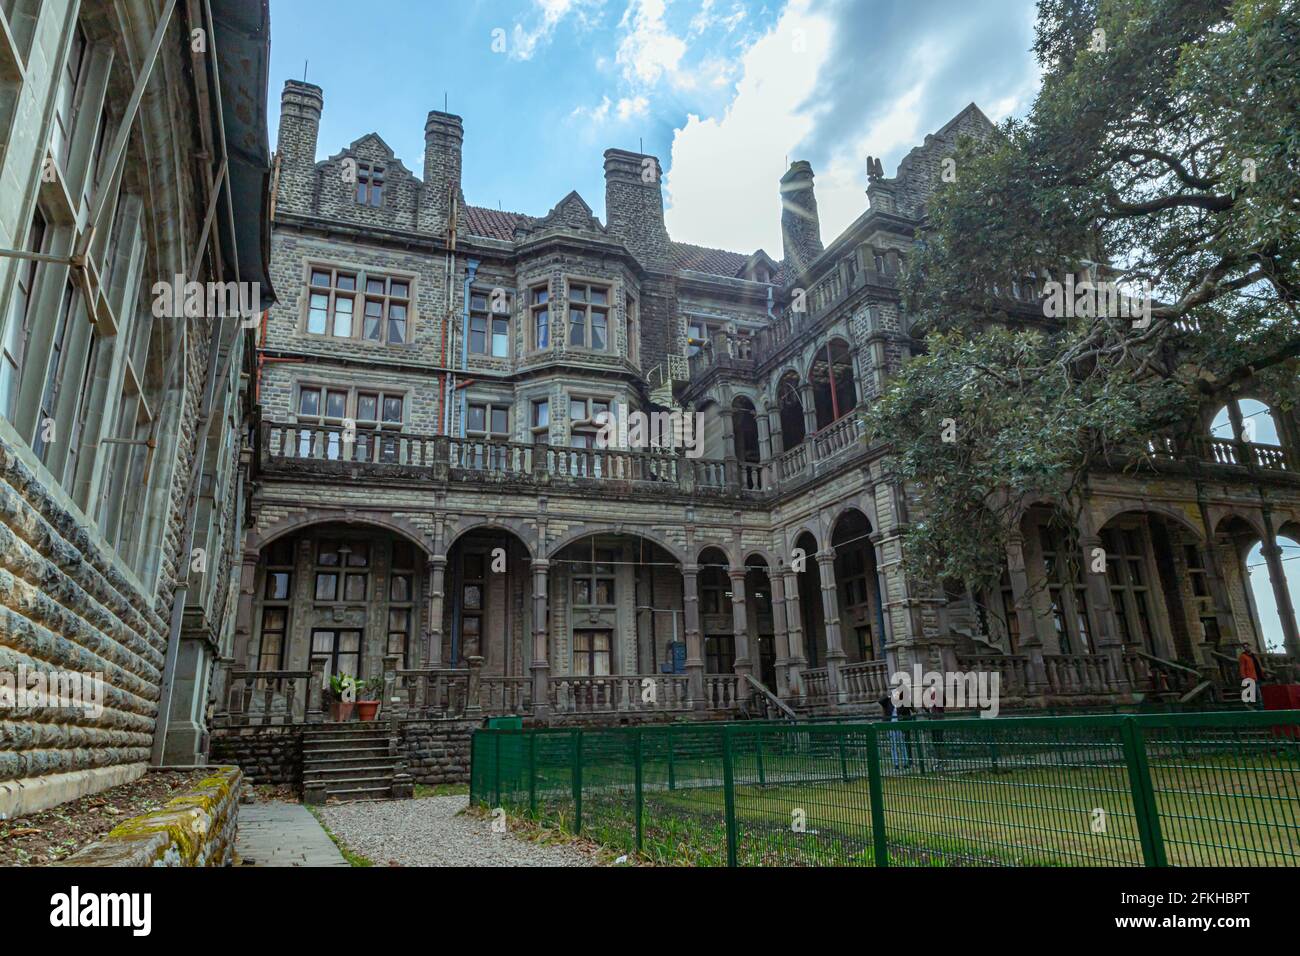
x: 1168, y: 150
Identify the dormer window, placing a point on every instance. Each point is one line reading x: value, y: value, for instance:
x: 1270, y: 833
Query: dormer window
x: 370, y: 184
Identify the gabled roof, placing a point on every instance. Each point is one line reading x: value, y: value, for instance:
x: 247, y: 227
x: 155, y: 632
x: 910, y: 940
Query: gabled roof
x: 716, y: 262
x: 493, y: 223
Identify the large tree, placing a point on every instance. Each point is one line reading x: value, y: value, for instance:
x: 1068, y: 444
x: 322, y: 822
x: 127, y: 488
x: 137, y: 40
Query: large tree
x: 1164, y: 144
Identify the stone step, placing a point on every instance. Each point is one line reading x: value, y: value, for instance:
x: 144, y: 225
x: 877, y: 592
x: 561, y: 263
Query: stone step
x: 325, y: 743
x: 350, y: 760
x: 363, y: 780
x: 332, y: 775
x: 345, y: 753
x: 360, y: 793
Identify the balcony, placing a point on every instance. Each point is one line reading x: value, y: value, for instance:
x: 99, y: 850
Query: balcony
x: 324, y: 451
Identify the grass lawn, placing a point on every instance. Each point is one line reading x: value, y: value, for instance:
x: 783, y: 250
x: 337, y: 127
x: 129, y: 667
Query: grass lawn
x: 1226, y: 809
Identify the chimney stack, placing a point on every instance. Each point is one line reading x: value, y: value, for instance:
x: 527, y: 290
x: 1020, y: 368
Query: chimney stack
x: 444, y: 134
x: 801, y: 234
x: 300, y: 108
x: 634, y: 204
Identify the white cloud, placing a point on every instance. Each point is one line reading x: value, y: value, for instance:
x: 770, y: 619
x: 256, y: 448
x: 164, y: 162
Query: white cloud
x: 526, y: 40
x: 649, y: 49
x: 632, y: 106
x: 722, y: 184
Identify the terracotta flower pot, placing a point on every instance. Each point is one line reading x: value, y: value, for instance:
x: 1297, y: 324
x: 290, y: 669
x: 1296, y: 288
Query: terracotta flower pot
x: 366, y: 709
x: 341, y: 710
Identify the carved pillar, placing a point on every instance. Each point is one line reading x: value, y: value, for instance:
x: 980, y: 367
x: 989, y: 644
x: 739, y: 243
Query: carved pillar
x: 809, y: 405
x: 1281, y: 592
x: 729, y: 446
x: 1106, y: 637
x: 740, y: 626
x: 835, y: 655
x: 794, y: 626
x: 780, y: 633
x: 694, y: 638
x: 435, y: 584
x: 1030, y: 643
x: 244, y: 614
x: 541, y: 658
x: 774, y: 431
x: 764, y: 424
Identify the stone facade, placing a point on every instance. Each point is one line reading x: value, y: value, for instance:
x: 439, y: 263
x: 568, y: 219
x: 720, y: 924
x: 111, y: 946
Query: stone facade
x: 120, y: 511
x: 433, y: 490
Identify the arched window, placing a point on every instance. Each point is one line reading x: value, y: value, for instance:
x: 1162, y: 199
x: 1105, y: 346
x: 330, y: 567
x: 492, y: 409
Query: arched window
x: 745, y: 425
x: 1257, y: 424
x: 832, y: 380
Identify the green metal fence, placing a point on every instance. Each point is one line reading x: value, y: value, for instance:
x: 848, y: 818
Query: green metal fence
x: 1201, y: 789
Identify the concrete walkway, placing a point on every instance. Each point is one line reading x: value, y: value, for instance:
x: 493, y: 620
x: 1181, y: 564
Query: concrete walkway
x: 282, y: 834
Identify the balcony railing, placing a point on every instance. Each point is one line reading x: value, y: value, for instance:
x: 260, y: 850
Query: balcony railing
x: 292, y: 449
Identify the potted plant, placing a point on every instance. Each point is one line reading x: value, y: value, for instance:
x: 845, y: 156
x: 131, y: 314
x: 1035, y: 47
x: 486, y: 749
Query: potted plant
x: 341, y: 695
x: 368, y: 697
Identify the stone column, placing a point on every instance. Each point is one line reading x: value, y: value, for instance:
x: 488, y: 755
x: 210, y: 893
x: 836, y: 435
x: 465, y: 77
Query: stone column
x: 728, y: 416
x: 1281, y: 592
x: 835, y: 656
x: 774, y: 431
x: 244, y: 615
x: 435, y: 583
x: 1030, y: 643
x: 809, y: 405
x: 794, y: 626
x: 1106, y: 639
x: 694, y: 637
x: 780, y: 633
x: 764, y: 424
x: 740, y: 627
x: 541, y: 657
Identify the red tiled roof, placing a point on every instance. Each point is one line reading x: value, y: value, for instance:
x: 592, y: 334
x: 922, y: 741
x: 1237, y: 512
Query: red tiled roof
x: 717, y: 262
x: 493, y: 223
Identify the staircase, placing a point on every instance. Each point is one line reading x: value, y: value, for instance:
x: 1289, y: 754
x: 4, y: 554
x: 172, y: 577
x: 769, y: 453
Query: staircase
x: 348, y: 761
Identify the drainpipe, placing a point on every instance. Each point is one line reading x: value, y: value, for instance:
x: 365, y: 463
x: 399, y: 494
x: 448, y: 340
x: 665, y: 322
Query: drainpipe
x: 471, y: 270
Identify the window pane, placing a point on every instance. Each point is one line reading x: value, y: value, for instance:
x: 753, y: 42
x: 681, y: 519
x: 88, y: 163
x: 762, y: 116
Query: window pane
x: 599, y: 296
x: 604, y: 591
x: 347, y: 283
x: 309, y: 402
x: 367, y: 407
x: 543, y: 330
x: 598, y: 330
x: 320, y: 278
x: 400, y: 290
x: 582, y: 591
x: 541, y: 295
x: 578, y: 293
x: 396, y: 325
x: 399, y: 621
x: 356, y: 587
x: 478, y: 303
x: 326, y: 586
x: 477, y: 417
x: 577, y: 327
x: 577, y: 409
x: 274, y: 618
x: 359, y: 555
x: 392, y: 410
x: 500, y: 421
x: 327, y: 553
x: 399, y: 587
x: 342, y: 317
x: 500, y: 338
x: 277, y: 585
x: 541, y: 413
x: 375, y: 286
x: 336, y: 404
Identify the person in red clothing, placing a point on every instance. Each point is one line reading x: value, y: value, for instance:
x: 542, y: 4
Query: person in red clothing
x: 1251, y: 669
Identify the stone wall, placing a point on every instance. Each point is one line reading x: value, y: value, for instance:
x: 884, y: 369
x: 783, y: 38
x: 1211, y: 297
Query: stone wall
x: 438, y: 750
x: 268, y: 755
x: 194, y: 829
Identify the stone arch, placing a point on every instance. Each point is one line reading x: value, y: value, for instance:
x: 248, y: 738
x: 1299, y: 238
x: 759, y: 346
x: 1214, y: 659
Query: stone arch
x: 764, y: 555
x: 257, y: 540
x: 1112, y: 510
x: 560, y: 544
x: 792, y: 535
x: 513, y: 526
x: 1223, y: 520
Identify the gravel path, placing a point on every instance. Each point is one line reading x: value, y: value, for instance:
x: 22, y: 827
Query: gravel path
x: 429, y: 832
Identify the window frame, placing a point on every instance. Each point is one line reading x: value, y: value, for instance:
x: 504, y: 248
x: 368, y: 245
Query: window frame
x: 589, y: 308
x: 538, y: 308
x: 490, y: 318
x: 398, y: 294
x: 370, y: 182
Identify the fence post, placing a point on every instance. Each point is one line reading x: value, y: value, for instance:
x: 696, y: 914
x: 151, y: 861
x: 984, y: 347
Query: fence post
x: 844, y: 757
x: 729, y: 795
x: 672, y: 771
x: 640, y: 793
x: 577, y: 781
x: 497, y: 737
x: 876, y: 791
x: 532, y: 774
x: 1144, y: 798
x: 758, y: 756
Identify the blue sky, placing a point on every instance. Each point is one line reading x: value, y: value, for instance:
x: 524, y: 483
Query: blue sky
x: 723, y: 91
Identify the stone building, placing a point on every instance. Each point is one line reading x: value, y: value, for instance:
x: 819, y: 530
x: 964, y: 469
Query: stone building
x: 121, y: 417
x: 434, y: 504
